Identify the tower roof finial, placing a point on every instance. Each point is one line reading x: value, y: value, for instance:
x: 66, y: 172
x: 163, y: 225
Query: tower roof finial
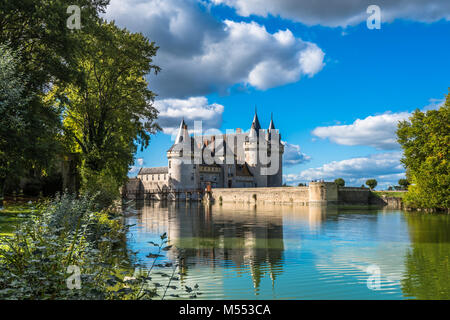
x: 271, y: 125
x: 181, y: 136
x: 255, y: 123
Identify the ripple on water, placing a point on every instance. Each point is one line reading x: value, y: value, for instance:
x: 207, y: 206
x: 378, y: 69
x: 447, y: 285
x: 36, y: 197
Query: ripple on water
x: 287, y: 253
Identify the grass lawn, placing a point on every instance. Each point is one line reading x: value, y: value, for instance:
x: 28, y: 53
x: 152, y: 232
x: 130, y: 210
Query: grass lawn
x: 11, y: 214
x: 397, y: 194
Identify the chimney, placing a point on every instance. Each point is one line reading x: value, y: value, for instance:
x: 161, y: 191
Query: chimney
x: 238, y: 130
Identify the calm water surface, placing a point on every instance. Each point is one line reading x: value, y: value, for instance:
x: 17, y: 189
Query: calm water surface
x: 239, y: 251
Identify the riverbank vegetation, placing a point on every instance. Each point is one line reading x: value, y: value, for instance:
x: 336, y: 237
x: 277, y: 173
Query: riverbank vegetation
x: 70, y: 248
x: 396, y: 194
x: 425, y: 140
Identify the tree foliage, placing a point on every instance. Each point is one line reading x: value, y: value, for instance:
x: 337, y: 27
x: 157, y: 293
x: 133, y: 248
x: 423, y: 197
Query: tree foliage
x: 109, y: 111
x: 12, y: 110
x: 340, y: 182
x: 84, y: 92
x: 371, y: 183
x: 27, y: 129
x: 37, y: 31
x: 425, y: 141
x: 37, y: 52
x: 404, y: 183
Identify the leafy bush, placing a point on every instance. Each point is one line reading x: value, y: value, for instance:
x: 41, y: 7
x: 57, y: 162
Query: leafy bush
x: 103, y: 186
x: 68, y: 232
x: 33, y: 263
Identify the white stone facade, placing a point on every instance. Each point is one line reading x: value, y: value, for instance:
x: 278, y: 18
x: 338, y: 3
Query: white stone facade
x: 220, y: 161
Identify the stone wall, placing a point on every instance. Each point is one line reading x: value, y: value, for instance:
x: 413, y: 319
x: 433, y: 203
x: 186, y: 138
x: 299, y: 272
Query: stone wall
x: 133, y: 189
x: 386, y: 201
x: 352, y: 195
x: 316, y: 193
x: 297, y: 195
x: 323, y: 192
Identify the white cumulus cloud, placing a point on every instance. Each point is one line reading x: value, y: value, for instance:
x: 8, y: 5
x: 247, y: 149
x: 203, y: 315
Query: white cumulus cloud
x: 138, y: 164
x: 292, y: 155
x: 384, y: 167
x: 341, y: 13
x: 378, y: 131
x: 375, y: 131
x: 171, y: 111
x: 199, y: 54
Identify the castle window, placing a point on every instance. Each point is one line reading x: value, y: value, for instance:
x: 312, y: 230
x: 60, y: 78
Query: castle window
x: 164, y: 176
x: 170, y: 164
x: 153, y: 177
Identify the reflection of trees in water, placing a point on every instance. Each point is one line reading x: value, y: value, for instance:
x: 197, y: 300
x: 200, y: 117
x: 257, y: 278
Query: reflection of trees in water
x: 428, y: 262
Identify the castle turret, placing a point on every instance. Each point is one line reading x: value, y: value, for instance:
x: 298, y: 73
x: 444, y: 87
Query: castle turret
x: 275, y: 180
x: 251, y: 148
x: 255, y: 123
x: 271, y: 125
x: 182, y: 173
x: 183, y: 134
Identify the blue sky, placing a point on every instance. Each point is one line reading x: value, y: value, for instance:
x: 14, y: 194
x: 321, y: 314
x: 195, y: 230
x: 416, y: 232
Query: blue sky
x: 335, y: 87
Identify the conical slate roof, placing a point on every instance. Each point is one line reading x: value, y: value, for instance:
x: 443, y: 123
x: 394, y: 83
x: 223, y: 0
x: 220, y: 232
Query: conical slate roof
x: 182, y: 132
x: 271, y: 125
x: 255, y: 123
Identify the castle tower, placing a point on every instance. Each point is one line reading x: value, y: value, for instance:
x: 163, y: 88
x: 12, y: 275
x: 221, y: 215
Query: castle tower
x: 181, y: 168
x: 275, y: 180
x: 251, y: 148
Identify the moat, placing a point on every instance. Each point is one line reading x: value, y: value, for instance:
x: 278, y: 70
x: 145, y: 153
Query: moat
x: 242, y: 251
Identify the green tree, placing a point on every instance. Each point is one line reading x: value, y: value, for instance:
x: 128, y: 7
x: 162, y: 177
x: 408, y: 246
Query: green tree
x: 340, y: 182
x: 12, y: 109
x: 371, y: 183
x: 425, y: 140
x: 26, y: 135
x: 35, y: 43
x: 404, y: 183
x: 37, y: 31
x: 109, y: 111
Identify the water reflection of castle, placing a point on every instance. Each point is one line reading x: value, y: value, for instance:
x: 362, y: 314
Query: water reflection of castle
x: 230, y: 234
